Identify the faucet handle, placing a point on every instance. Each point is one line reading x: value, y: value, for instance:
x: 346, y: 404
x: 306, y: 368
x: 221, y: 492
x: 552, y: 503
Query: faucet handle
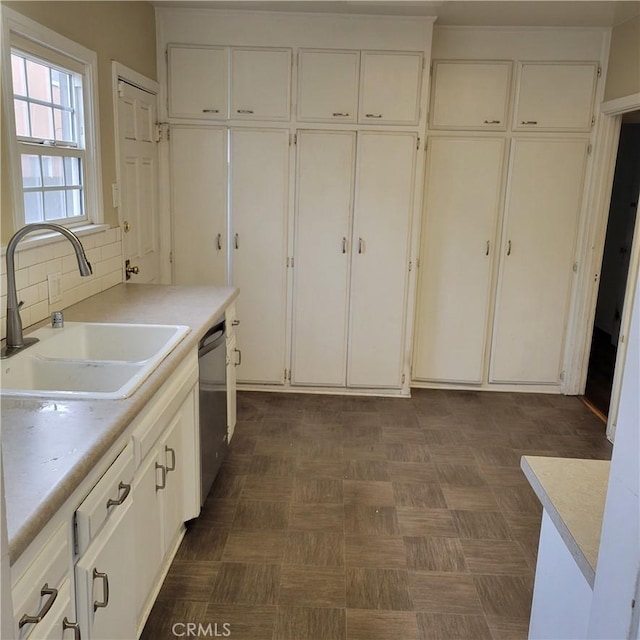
x: 57, y: 320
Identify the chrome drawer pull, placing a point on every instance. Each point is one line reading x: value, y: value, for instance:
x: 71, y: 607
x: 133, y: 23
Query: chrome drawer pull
x: 239, y: 362
x: 236, y: 241
x: 488, y: 247
x: 105, y: 589
x: 360, y: 245
x: 344, y: 245
x: 529, y: 122
x: 219, y: 242
x: 164, y: 477
x: 122, y: 486
x: 492, y: 121
x: 337, y: 114
x: 211, y: 111
x: 509, y: 248
x: 235, y: 323
x: 244, y: 110
x: 71, y: 625
x: 45, y: 591
x: 373, y: 115
x: 173, y: 458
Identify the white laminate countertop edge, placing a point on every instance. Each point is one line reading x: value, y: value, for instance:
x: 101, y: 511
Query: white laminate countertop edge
x: 573, y: 492
x: 50, y: 446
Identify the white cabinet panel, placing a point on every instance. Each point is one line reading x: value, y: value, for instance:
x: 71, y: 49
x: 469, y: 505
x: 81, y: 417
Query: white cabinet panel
x: 176, y: 464
x: 199, y: 205
x: 260, y: 84
x: 259, y: 208
x: 232, y: 363
x: 198, y: 82
x: 323, y: 246
x: 555, y: 96
x: 541, y: 216
x: 457, y: 248
x: 385, y: 170
x: 470, y: 95
x: 390, y: 87
x: 328, y: 85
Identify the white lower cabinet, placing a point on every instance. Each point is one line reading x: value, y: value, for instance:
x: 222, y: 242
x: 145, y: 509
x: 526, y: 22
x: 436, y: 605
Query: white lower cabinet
x: 234, y: 358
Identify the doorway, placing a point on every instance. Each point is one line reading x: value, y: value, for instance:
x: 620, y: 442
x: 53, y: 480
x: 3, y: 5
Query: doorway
x: 615, y: 267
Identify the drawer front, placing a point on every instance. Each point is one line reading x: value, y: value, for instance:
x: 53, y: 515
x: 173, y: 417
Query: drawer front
x: 110, y: 492
x: 231, y: 319
x: 39, y: 590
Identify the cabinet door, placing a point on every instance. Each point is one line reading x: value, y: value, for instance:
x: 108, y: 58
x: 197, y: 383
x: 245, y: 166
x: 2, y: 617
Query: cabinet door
x: 390, y: 87
x: 457, y: 246
x: 199, y: 205
x: 259, y: 207
x: 105, y: 576
x: 544, y: 196
x: 322, y: 248
x: 198, y: 82
x: 172, y: 456
x: 232, y: 363
x: 380, y: 263
x: 470, y: 95
x: 260, y: 84
x: 555, y: 96
x: 59, y: 620
x: 328, y: 85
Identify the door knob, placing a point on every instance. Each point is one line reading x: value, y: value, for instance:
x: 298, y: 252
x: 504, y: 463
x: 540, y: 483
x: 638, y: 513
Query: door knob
x: 130, y: 269
x: 126, y: 226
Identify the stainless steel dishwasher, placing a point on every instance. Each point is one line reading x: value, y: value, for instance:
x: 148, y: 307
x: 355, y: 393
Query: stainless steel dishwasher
x: 212, y: 361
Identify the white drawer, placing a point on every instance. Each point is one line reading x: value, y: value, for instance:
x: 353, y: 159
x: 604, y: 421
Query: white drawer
x: 110, y: 491
x: 37, y: 591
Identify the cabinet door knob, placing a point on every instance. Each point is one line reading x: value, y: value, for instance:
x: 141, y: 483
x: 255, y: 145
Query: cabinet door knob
x: 45, y: 591
x: 171, y: 467
x: 373, y: 115
x: 123, y: 486
x: 163, y: 472
x: 105, y: 589
x: 71, y: 625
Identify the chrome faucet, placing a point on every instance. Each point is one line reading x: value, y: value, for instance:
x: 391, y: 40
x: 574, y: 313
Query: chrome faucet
x: 15, y: 340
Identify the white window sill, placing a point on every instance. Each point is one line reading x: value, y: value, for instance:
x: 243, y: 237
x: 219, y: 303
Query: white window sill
x: 50, y: 237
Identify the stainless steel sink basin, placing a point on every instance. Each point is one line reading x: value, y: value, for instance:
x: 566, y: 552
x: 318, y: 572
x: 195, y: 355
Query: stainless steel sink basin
x: 89, y: 360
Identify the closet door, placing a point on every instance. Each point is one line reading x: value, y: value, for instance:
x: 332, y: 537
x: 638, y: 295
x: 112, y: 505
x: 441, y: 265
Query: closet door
x: 259, y: 198
x: 385, y: 170
x: 199, y: 204
x: 325, y: 171
x: 541, y: 217
x: 457, y: 248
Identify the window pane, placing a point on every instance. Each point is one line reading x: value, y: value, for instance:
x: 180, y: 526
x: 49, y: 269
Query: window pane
x: 74, y: 203
x: 72, y: 171
x: 61, y: 87
x: 31, y: 176
x: 22, y: 118
x: 41, y: 122
x: 33, y: 206
x: 18, y: 75
x: 38, y: 81
x: 54, y: 205
x: 52, y: 171
x: 63, y: 125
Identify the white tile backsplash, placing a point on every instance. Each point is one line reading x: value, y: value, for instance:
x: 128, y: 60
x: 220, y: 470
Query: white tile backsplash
x: 33, y: 265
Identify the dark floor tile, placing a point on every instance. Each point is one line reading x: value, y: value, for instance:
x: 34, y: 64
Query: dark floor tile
x: 316, y: 517
x: 352, y: 419
x: 459, y: 475
x: 521, y: 499
x: 502, y: 557
x: 505, y: 596
x: 450, y: 626
x: 226, y: 486
x: 321, y: 416
x: 470, y: 498
x: 396, y: 434
x: 248, y: 428
x: 496, y: 455
x: 318, y: 548
x: 376, y: 551
x: 366, y: 624
x: 434, y: 554
x: 333, y: 432
x: 365, y: 519
x: 312, y: 587
x: 378, y: 589
x: 453, y: 453
x: 260, y: 547
x: 269, y: 446
x: 165, y: 614
x: 258, y: 514
x: 507, y: 629
x: 317, y: 490
x: 242, y: 445
x: 272, y: 465
x: 237, y: 465
x: 270, y: 488
x: 315, y: 448
x: 371, y: 493
x: 481, y: 525
x: 281, y: 428
x: 403, y: 420
x: 503, y: 476
x: 361, y: 435
x: 246, y: 583
x: 366, y: 470
x: 306, y: 623
x: 309, y: 468
x: 442, y: 437
x: 408, y: 453
x: 418, y: 521
x: 219, y: 513
x: 418, y: 494
x: 412, y: 472
x: 444, y: 593
x: 202, y: 542
x: 245, y: 622
x: 188, y: 580
x: 374, y: 451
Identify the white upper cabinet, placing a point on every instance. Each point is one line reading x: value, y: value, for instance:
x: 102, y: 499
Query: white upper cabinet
x: 198, y: 82
x: 470, y: 95
x: 390, y: 87
x: 260, y: 84
x: 328, y: 85
x: 555, y: 96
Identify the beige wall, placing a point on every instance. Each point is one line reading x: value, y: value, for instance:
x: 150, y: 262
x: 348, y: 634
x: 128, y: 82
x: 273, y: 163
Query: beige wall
x: 623, y: 75
x: 121, y: 31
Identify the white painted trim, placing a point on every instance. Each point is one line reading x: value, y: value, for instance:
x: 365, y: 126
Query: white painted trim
x: 621, y: 105
x: 133, y: 77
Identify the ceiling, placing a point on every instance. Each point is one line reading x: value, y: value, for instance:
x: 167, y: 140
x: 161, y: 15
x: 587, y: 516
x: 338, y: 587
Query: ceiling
x: 562, y: 13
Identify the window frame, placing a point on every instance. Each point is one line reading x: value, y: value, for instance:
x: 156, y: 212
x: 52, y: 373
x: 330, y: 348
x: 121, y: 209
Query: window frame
x: 33, y: 39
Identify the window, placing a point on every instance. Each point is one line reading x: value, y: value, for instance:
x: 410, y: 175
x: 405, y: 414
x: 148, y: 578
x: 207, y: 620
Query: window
x: 54, y: 154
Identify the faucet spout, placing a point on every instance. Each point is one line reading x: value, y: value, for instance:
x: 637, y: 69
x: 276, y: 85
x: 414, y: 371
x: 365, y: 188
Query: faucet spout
x: 15, y: 338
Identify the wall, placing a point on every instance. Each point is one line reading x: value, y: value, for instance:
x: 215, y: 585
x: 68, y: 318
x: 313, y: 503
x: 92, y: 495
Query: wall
x: 121, y: 31
x: 623, y: 74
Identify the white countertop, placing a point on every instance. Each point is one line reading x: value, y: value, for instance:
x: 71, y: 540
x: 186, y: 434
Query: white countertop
x: 573, y: 493
x: 50, y: 446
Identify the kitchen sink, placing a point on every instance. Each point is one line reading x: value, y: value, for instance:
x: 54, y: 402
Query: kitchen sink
x: 89, y: 360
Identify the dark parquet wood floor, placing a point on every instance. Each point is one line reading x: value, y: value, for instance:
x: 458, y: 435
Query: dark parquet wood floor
x: 357, y: 518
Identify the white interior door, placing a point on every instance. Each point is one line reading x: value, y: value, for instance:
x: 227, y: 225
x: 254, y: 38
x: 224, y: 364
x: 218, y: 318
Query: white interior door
x: 199, y: 205
x: 322, y: 248
x: 457, y: 248
x: 138, y: 167
x: 385, y: 169
x: 543, y: 202
x: 259, y: 207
